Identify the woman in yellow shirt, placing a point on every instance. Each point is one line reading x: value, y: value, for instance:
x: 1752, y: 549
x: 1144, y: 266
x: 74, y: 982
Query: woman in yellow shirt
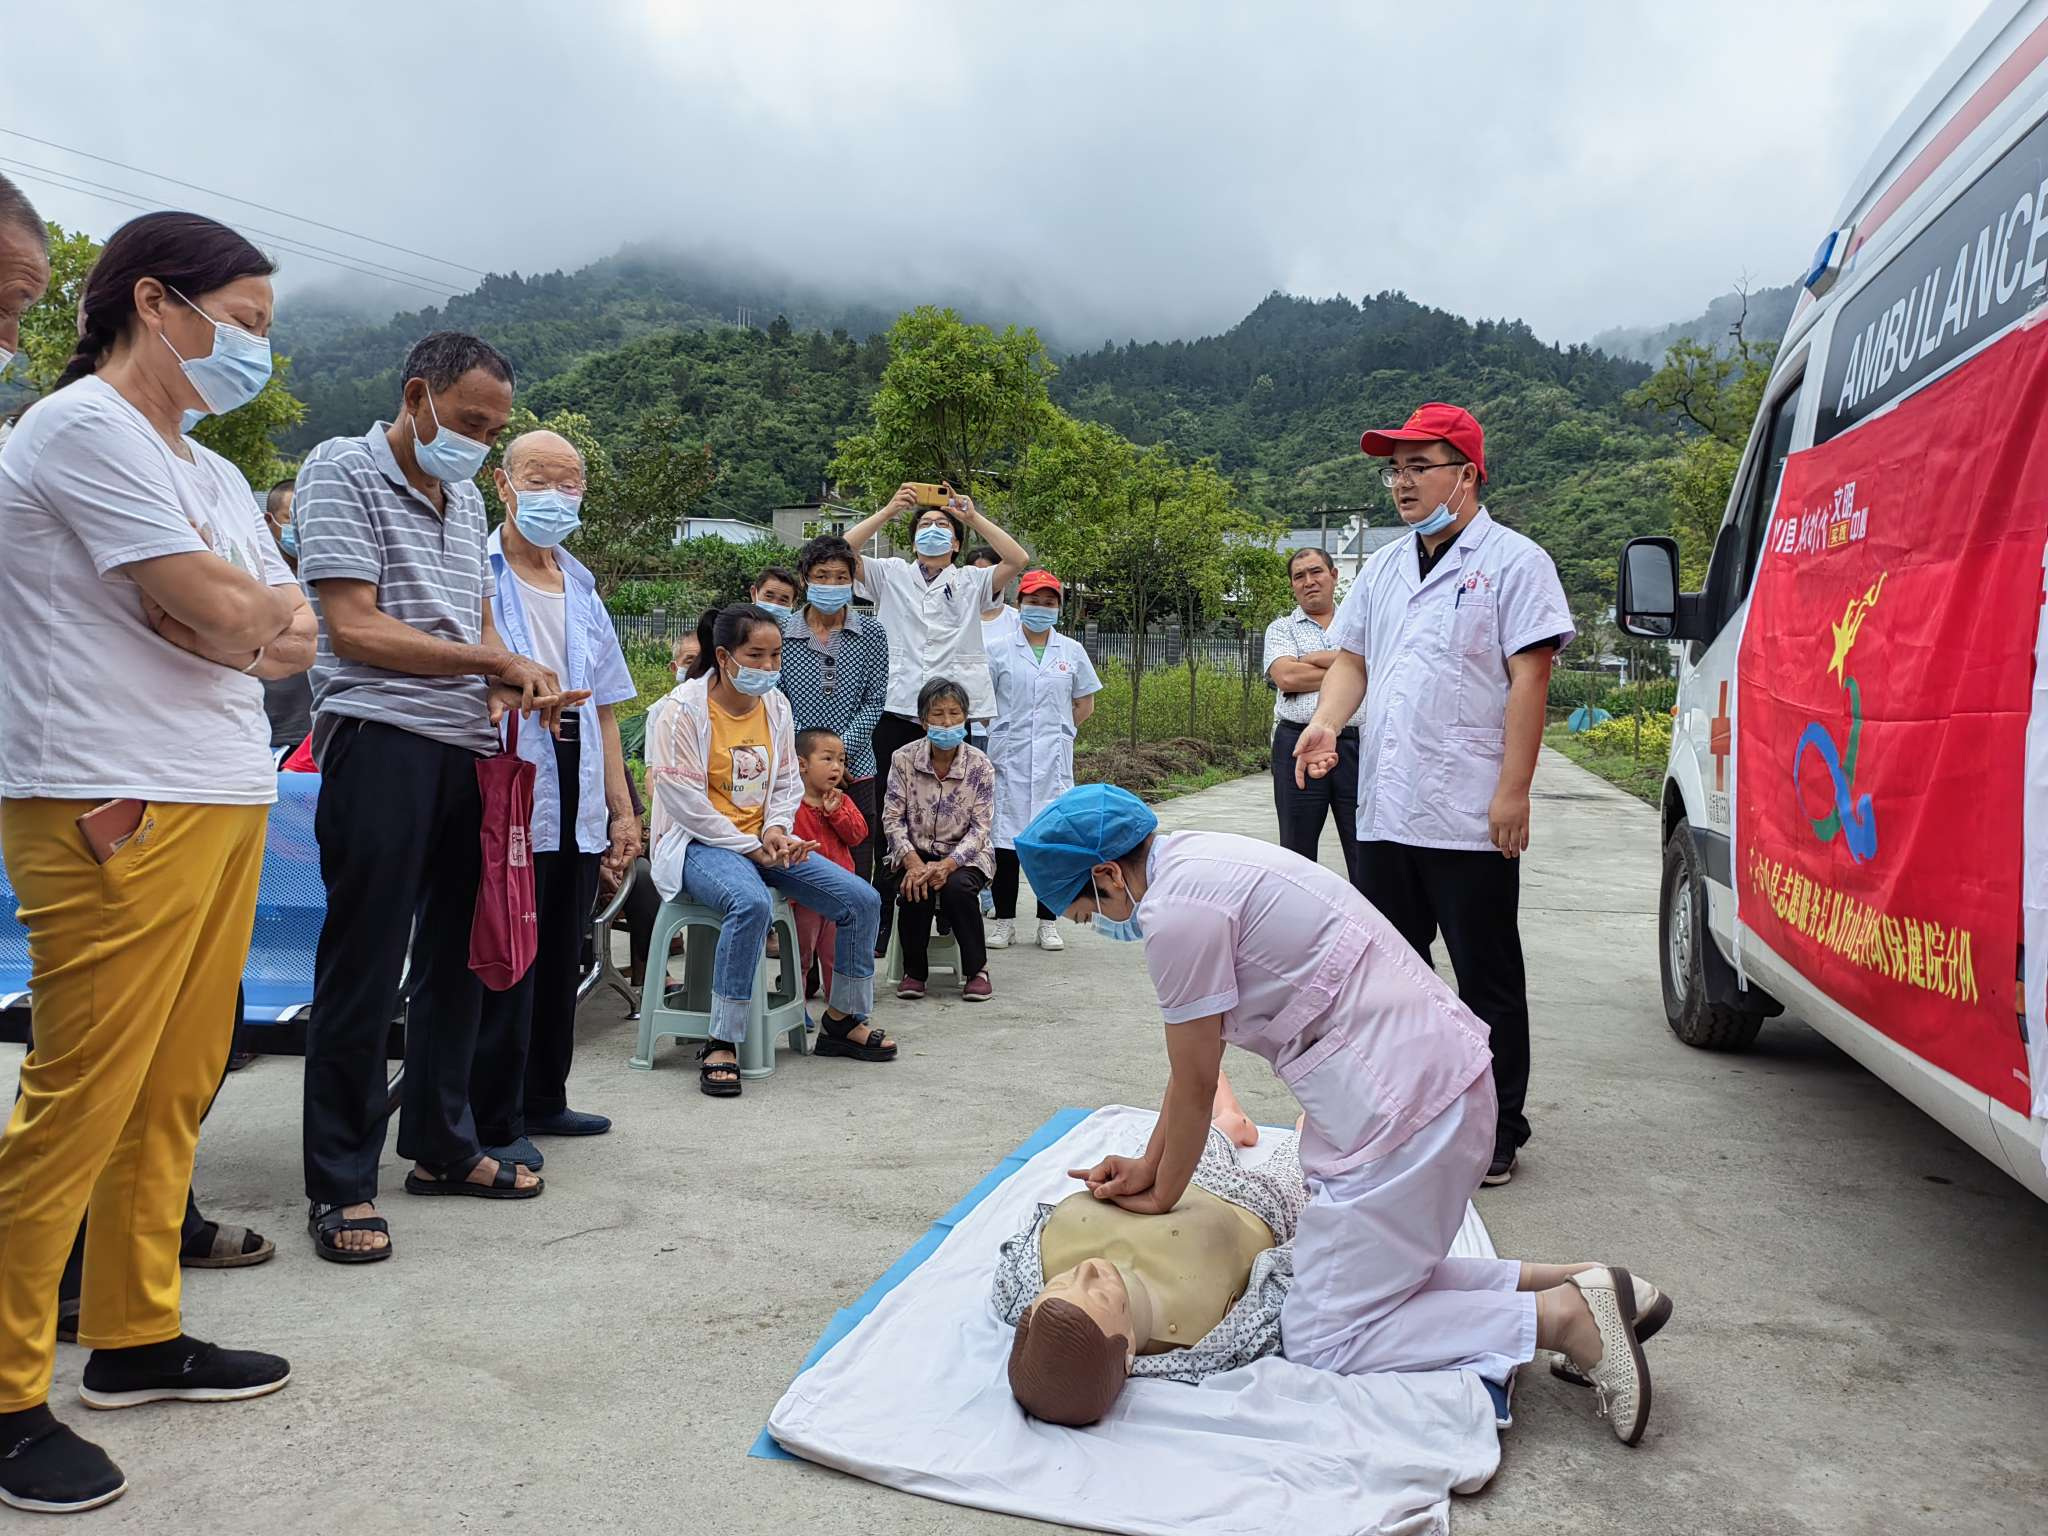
x: 723, y: 765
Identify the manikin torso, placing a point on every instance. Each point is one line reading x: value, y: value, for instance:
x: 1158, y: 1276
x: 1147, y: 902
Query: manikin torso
x: 1196, y: 1260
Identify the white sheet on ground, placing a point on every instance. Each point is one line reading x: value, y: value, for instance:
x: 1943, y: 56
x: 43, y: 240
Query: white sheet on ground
x: 916, y: 1398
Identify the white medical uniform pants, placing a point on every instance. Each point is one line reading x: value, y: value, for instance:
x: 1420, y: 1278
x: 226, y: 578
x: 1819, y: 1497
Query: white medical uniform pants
x: 1374, y: 1289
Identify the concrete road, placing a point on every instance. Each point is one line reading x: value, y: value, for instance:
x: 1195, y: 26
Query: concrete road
x: 1861, y: 1342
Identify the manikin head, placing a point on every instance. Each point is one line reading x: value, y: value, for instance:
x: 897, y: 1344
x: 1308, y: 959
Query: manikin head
x: 1075, y: 1343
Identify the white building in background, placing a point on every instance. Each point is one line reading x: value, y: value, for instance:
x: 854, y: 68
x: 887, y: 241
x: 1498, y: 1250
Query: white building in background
x: 731, y: 529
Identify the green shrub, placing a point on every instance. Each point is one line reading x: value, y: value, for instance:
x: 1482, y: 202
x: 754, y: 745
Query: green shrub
x: 1618, y: 737
x: 1224, y: 712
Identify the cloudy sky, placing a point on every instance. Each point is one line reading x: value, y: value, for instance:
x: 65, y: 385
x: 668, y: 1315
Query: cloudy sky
x: 1132, y: 169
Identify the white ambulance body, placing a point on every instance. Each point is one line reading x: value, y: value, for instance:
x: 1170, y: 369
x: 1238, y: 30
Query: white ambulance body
x: 1967, y: 157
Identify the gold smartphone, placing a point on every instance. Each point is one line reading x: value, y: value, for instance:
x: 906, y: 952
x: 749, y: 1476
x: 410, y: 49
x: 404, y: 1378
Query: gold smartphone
x: 108, y: 827
x: 929, y: 495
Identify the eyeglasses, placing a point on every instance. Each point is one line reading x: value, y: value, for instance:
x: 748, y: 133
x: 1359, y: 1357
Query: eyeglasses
x: 1392, y: 475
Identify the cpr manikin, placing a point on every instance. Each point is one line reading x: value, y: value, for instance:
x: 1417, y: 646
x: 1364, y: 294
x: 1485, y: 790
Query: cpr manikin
x: 1182, y: 1295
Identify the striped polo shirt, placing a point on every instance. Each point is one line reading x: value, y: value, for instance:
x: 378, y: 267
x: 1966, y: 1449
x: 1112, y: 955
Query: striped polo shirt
x: 360, y: 521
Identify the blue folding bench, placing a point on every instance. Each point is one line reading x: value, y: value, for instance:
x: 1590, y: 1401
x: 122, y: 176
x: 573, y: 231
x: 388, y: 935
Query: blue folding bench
x: 277, y: 985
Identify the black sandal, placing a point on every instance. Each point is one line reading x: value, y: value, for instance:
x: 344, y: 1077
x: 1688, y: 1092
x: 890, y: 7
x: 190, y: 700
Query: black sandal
x: 835, y: 1038
x: 718, y: 1087
x: 453, y: 1179
x: 325, y: 1222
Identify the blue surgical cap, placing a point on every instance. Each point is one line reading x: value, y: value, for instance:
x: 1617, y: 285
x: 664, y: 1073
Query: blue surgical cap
x: 1090, y: 824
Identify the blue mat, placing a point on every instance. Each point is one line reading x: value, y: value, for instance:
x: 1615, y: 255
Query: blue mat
x: 846, y: 1319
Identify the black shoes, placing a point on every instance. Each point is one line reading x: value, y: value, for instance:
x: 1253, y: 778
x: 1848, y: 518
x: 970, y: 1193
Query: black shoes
x: 1500, y: 1170
x: 184, y: 1370
x: 50, y: 1469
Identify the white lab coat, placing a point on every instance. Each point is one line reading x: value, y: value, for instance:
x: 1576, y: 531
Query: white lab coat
x: 1436, y: 652
x: 1031, y: 741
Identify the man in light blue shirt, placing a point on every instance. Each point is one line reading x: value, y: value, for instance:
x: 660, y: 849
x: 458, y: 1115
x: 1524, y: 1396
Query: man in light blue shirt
x: 546, y: 607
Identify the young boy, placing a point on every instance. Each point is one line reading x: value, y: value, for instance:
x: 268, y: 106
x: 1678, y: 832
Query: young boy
x: 830, y: 819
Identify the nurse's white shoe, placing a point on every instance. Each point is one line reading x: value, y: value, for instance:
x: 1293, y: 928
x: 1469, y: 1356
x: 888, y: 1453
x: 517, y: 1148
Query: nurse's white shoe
x: 1622, y: 1378
x: 1653, y: 1311
x: 1049, y: 936
x: 1002, y: 933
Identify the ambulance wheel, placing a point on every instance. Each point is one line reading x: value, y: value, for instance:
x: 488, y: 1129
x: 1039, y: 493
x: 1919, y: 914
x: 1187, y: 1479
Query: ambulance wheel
x: 1682, y: 945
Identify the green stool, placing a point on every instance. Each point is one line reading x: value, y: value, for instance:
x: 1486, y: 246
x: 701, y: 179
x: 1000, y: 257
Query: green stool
x: 943, y: 949
x: 684, y: 1013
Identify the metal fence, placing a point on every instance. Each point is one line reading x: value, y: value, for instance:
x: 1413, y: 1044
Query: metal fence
x: 1225, y: 647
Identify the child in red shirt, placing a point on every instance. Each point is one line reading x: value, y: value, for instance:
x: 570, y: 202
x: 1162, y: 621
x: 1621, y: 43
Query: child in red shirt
x: 832, y: 821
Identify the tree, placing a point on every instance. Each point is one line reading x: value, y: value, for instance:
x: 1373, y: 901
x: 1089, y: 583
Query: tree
x: 246, y: 438
x: 1718, y: 394
x: 1259, y: 592
x: 957, y: 402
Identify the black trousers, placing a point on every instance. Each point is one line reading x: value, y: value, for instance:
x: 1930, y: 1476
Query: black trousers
x: 398, y: 824
x: 866, y: 795
x: 1474, y: 899
x: 892, y: 733
x: 1301, y: 810
x: 643, y: 903
x: 1008, y: 873
x: 959, y: 902
x: 526, y: 1037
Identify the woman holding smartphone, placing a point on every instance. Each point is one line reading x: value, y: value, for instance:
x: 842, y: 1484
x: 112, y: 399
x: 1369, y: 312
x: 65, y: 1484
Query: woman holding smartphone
x: 142, y: 606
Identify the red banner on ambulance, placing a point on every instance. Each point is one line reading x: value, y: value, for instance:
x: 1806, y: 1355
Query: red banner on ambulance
x: 1885, y: 682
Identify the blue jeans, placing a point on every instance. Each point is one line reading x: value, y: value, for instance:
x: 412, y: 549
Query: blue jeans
x: 734, y: 885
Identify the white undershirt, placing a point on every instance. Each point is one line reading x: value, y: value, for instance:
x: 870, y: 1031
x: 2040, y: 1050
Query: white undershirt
x: 547, y: 622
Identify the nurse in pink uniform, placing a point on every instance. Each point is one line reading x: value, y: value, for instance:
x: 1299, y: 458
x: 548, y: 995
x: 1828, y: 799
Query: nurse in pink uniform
x: 1251, y: 945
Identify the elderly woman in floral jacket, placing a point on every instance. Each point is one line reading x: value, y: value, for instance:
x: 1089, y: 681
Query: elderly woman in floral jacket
x: 939, y: 823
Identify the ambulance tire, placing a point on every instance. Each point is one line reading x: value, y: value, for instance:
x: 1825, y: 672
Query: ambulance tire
x: 1683, y: 943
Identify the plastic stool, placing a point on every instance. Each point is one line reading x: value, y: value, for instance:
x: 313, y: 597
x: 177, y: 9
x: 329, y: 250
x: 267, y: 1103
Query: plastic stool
x: 943, y: 949
x: 777, y: 1006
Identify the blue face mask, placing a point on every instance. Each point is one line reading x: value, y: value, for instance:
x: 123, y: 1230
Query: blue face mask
x: 450, y: 456
x: 945, y: 737
x: 188, y: 420
x: 545, y: 518
x: 828, y: 599
x: 233, y: 373
x: 755, y: 681
x: 288, y: 541
x: 1038, y: 620
x: 1125, y: 930
x: 1437, y: 521
x: 775, y: 608
x: 934, y: 539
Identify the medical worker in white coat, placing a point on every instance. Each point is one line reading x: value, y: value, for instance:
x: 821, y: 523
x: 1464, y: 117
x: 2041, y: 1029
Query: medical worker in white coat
x: 1448, y: 638
x: 1045, y: 688
x: 1250, y: 945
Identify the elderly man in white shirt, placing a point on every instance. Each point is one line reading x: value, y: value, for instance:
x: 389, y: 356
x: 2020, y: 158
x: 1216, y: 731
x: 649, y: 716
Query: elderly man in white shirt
x: 1298, y: 652
x: 931, y: 608
x: 1458, y: 628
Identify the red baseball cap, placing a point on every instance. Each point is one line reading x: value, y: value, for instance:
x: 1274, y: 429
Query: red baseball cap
x: 1434, y: 423
x: 1041, y: 581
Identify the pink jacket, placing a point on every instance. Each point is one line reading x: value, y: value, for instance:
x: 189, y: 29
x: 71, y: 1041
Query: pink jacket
x: 678, y: 749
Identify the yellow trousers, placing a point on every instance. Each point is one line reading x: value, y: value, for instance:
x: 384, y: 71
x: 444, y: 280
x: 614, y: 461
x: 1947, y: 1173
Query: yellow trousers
x: 133, y: 969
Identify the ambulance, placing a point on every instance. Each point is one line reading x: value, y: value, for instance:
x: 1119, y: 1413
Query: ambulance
x: 1855, y: 811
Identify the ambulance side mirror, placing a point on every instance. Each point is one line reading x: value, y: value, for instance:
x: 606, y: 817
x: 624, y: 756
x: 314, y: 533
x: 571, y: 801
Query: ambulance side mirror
x: 1647, y: 602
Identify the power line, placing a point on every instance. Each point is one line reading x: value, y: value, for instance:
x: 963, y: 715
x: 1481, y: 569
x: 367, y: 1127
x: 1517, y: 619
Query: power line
x: 246, y: 202
x: 282, y: 242
x: 418, y: 279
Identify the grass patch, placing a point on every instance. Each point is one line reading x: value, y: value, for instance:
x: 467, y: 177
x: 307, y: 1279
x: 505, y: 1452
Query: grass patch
x: 1159, y: 770
x: 1642, y: 777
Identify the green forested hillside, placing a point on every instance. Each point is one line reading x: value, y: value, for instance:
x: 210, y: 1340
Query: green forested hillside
x: 1278, y: 400
x: 348, y: 373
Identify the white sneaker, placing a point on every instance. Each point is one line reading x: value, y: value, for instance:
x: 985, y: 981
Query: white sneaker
x: 1622, y: 1378
x: 1002, y: 933
x: 1049, y: 936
